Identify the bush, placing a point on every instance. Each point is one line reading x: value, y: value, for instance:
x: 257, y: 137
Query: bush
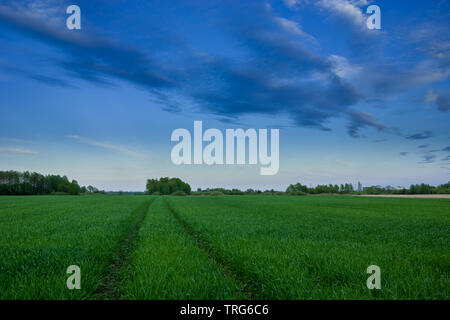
x: 156, y: 193
x: 216, y: 193
x: 167, y: 185
x: 178, y: 193
x: 297, y: 193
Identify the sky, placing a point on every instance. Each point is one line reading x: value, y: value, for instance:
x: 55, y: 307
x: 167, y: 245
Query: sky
x: 352, y: 104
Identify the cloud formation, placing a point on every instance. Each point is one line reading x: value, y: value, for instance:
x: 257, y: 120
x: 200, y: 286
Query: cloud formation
x: 421, y: 135
x: 443, y: 103
x: 7, y: 139
x: 428, y: 159
x: 17, y: 151
x: 109, y: 146
x: 90, y: 58
x: 280, y: 74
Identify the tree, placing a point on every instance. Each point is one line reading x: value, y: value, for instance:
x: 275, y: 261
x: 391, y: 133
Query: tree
x: 33, y: 183
x: 167, y: 186
x: 73, y: 187
x: 296, y: 188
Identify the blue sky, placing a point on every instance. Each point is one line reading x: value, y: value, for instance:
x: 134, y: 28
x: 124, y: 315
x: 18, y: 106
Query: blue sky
x: 352, y: 104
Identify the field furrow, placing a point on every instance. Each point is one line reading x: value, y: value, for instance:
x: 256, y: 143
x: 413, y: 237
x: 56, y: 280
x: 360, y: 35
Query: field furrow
x: 112, y: 280
x: 223, y: 247
x: 168, y: 264
x: 251, y: 287
x: 320, y: 247
x: 40, y: 236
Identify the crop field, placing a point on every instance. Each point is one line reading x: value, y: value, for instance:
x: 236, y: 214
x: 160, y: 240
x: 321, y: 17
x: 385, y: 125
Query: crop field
x: 224, y: 247
x: 40, y: 236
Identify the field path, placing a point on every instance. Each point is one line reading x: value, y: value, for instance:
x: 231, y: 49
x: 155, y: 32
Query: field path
x: 250, y: 289
x: 111, y: 284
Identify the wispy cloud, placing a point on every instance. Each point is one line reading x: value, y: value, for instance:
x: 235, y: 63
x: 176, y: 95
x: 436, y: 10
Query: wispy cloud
x: 293, y: 28
x: 109, y: 146
x: 15, y: 140
x: 441, y: 100
x: 291, y: 3
x: 421, y: 135
x: 88, y: 57
x: 446, y: 149
x: 403, y: 153
x: 360, y: 119
x: 443, y: 103
x: 346, y: 10
x: 282, y: 76
x: 428, y: 159
x: 17, y: 151
x: 343, y: 163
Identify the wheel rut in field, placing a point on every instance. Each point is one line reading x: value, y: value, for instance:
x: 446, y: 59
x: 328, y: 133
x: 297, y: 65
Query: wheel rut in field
x: 112, y: 280
x: 249, y: 288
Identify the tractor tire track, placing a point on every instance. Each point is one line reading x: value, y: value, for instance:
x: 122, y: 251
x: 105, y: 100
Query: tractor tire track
x: 249, y: 288
x: 112, y: 280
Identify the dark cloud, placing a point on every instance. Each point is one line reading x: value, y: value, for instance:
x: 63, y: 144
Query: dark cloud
x: 428, y: 159
x: 403, y: 153
x: 90, y: 58
x: 419, y: 136
x: 446, y: 149
x: 50, y: 80
x: 282, y: 77
x: 443, y: 103
x: 278, y: 76
x: 422, y: 146
x: 361, y: 119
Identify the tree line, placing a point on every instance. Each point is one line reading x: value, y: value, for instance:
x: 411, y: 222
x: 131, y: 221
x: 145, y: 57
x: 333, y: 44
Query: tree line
x: 347, y: 188
x: 422, y: 188
x: 167, y: 186
x: 33, y: 183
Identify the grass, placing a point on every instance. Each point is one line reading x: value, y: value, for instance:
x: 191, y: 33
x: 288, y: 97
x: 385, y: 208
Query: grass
x: 320, y: 247
x: 169, y: 264
x: 40, y: 236
x: 233, y: 247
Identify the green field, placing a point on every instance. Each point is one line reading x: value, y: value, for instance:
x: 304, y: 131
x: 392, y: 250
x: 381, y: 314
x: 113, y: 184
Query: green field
x: 224, y: 247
